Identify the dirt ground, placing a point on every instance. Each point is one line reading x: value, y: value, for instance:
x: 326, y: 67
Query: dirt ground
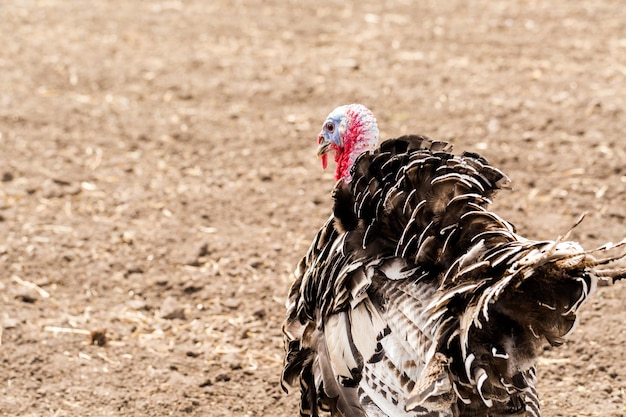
x: 159, y: 182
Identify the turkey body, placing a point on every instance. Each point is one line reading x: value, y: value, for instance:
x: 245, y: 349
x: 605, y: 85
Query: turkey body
x: 415, y: 300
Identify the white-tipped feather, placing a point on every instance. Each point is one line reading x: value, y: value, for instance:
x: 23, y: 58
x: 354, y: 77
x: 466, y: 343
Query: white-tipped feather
x: 496, y: 354
x: 468, y: 365
x: 481, y: 376
x: 336, y: 332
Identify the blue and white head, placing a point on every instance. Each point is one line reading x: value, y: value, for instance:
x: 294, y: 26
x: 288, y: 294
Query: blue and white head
x: 349, y: 131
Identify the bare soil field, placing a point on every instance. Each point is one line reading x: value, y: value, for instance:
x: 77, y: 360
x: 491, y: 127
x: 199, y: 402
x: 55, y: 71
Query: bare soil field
x: 159, y: 180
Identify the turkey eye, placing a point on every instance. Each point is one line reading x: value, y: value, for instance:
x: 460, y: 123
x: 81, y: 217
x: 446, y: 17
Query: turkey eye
x: 330, y: 127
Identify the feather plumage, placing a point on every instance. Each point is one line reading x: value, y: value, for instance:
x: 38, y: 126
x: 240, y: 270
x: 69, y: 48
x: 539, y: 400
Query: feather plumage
x: 415, y: 300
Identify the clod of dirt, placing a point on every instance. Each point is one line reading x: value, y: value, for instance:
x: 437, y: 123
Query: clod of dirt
x: 192, y: 288
x: 204, y: 250
x: 26, y: 297
x: 232, y: 303
x: 9, y: 323
x: 128, y: 237
x: 137, y: 304
x: 260, y: 313
x: 171, y: 309
x: 206, y: 383
x: 195, y: 257
x: 133, y: 269
x: 55, y: 188
x: 222, y: 377
x: 98, y: 337
x: 232, y: 360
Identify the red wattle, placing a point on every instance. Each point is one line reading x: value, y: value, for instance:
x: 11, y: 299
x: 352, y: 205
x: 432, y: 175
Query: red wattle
x: 324, y: 161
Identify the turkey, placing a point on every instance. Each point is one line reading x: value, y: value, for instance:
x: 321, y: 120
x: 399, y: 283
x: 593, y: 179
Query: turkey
x: 414, y: 299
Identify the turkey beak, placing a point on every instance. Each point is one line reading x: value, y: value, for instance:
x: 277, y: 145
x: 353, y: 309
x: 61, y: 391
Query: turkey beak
x: 322, y: 150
